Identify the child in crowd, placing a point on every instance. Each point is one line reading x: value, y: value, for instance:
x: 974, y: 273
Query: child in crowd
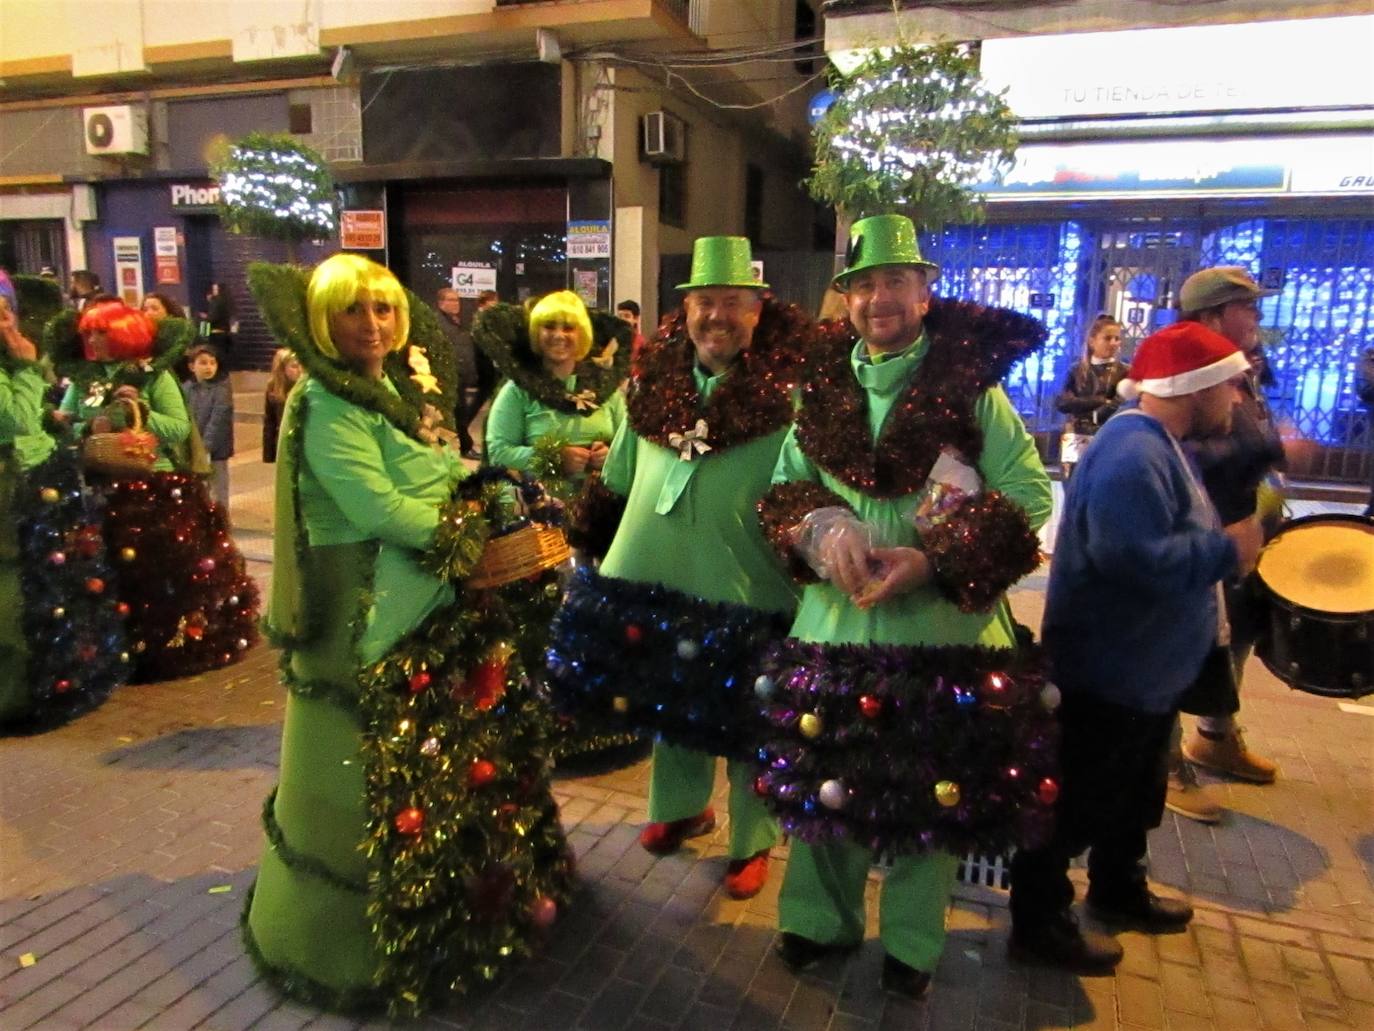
x: 286, y: 372
x: 1088, y: 397
x: 211, y: 404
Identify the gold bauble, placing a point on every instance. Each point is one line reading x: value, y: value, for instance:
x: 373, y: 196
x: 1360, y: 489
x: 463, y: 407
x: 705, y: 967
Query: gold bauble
x: 811, y: 725
x: 947, y: 793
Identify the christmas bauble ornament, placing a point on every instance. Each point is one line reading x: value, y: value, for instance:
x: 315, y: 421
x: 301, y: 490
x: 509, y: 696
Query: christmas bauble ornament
x: 176, y: 493
x: 870, y: 706
x: 50, y: 495
x: 487, y: 683
x: 410, y: 822
x: 1050, y: 697
x: 834, y: 794
x: 123, y: 656
x: 761, y: 786
x: 633, y: 633
x: 95, y: 585
x: 763, y: 687
x: 620, y: 704
x: 128, y: 554
x: 206, y: 565
x: 122, y: 608
x: 430, y: 747
x: 241, y: 644
x: 810, y: 725
x: 58, y: 558
x: 1047, y: 791
x: 62, y: 686
x: 544, y: 912
x: 481, y: 772
x: 688, y: 649
x: 58, y: 612
x: 419, y: 681
x: 947, y: 793
x: 234, y: 600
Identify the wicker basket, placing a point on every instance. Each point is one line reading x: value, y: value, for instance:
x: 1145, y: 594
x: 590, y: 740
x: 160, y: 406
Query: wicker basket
x: 125, y: 454
x: 524, y: 553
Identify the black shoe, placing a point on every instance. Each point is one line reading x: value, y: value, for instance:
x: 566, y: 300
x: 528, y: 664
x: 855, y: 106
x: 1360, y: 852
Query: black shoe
x: 801, y: 954
x: 900, y: 979
x: 1143, y: 911
x: 1062, y: 943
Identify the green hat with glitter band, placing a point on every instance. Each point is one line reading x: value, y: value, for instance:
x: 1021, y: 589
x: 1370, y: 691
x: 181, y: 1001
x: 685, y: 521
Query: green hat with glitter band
x: 722, y: 261
x: 883, y: 240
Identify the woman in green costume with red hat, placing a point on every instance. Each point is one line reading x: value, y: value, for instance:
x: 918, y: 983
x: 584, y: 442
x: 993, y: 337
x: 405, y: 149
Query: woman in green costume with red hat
x: 413, y: 847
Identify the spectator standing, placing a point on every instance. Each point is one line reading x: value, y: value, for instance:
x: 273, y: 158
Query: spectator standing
x: 1140, y: 550
x: 210, y: 401
x: 629, y: 311
x: 217, y: 321
x: 470, y: 397
x: 1088, y: 397
x: 85, y: 285
x: 286, y: 373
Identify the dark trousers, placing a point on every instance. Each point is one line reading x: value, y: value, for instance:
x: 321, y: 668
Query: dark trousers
x: 1113, y: 778
x: 470, y: 401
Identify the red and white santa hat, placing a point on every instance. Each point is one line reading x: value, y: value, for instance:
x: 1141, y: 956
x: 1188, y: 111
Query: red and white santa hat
x: 1181, y: 359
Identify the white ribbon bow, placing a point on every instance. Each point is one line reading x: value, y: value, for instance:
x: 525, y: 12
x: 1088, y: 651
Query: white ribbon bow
x: 691, y: 443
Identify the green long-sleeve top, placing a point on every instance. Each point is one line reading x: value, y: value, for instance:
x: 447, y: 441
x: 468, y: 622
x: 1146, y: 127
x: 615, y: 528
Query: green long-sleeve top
x: 516, y: 421
x: 168, y: 419
x: 1009, y: 463
x: 361, y: 479
x: 692, y: 526
x: 21, y: 415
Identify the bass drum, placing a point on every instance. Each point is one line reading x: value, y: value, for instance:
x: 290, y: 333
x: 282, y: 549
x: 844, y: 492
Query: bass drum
x: 1317, y: 578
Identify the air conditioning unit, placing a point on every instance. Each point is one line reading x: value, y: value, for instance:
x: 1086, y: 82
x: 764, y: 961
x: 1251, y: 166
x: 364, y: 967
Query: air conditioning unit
x: 121, y: 129
x: 665, y: 139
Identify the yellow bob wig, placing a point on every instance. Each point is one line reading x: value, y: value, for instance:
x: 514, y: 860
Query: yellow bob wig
x: 336, y: 283
x: 563, y: 307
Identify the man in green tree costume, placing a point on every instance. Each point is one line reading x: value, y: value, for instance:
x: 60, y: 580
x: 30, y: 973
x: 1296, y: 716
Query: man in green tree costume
x: 413, y: 847
x: 877, y: 414
x: 663, y: 634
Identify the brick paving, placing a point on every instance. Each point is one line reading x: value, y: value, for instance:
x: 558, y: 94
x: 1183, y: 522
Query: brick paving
x: 129, y: 839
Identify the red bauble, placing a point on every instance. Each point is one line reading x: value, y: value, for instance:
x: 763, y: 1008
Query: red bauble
x: 410, y: 822
x: 544, y: 912
x: 760, y: 787
x: 996, y: 691
x: 1047, y: 791
x: 62, y: 686
x: 634, y: 634
x: 871, y: 707
x: 95, y: 585
x: 487, y: 683
x: 419, y: 681
x: 481, y: 772
x: 122, y: 608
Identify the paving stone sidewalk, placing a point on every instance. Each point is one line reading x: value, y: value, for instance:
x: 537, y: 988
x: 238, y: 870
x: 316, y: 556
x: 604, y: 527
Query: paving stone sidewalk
x: 129, y: 838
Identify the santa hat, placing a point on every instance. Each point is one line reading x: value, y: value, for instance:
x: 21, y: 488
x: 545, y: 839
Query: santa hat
x: 1181, y: 359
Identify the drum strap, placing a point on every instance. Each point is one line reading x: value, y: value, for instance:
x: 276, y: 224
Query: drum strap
x: 1214, y: 522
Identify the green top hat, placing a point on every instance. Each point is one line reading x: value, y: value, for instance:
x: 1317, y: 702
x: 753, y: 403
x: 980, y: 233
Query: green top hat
x: 883, y: 240
x: 722, y: 261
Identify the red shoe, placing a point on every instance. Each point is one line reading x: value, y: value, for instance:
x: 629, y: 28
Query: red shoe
x: 744, y: 878
x: 663, y: 838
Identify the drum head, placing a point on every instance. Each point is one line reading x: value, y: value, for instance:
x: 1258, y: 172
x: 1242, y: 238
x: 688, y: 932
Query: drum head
x: 1325, y: 564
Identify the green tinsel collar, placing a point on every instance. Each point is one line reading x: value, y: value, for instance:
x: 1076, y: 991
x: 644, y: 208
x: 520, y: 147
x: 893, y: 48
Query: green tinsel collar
x: 280, y: 293
x: 502, y: 332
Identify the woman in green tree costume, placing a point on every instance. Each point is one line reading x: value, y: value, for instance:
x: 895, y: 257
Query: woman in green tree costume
x: 554, y: 418
x: 413, y: 846
x: 61, y: 643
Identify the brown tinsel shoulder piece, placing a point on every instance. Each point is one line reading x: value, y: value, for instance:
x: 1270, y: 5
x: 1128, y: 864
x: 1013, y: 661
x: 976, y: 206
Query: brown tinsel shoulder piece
x: 980, y: 550
x: 754, y: 401
x: 594, y: 516
x: 782, y: 508
x: 971, y: 348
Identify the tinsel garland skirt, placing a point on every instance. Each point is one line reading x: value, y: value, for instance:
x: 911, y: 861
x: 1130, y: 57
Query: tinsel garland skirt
x: 639, y: 657
x: 906, y: 749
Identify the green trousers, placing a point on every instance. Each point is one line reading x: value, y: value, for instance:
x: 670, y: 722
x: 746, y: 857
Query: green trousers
x: 822, y: 899
x: 680, y: 787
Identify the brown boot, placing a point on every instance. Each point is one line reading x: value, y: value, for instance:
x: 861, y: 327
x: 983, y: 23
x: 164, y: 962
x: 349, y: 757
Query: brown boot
x: 1227, y: 754
x: 1188, y: 798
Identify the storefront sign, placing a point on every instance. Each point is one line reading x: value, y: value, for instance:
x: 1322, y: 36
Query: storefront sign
x: 1308, y: 62
x: 194, y: 198
x: 589, y: 239
x: 128, y: 262
x: 362, y: 230
x: 470, y: 278
x: 166, y: 255
x: 1192, y: 167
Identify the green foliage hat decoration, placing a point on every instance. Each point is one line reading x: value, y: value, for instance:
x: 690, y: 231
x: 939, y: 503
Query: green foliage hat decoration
x: 883, y: 240
x: 913, y: 129
x: 272, y: 186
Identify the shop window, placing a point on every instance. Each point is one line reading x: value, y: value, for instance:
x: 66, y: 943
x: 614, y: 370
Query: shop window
x: 300, y: 120
x: 672, y: 195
